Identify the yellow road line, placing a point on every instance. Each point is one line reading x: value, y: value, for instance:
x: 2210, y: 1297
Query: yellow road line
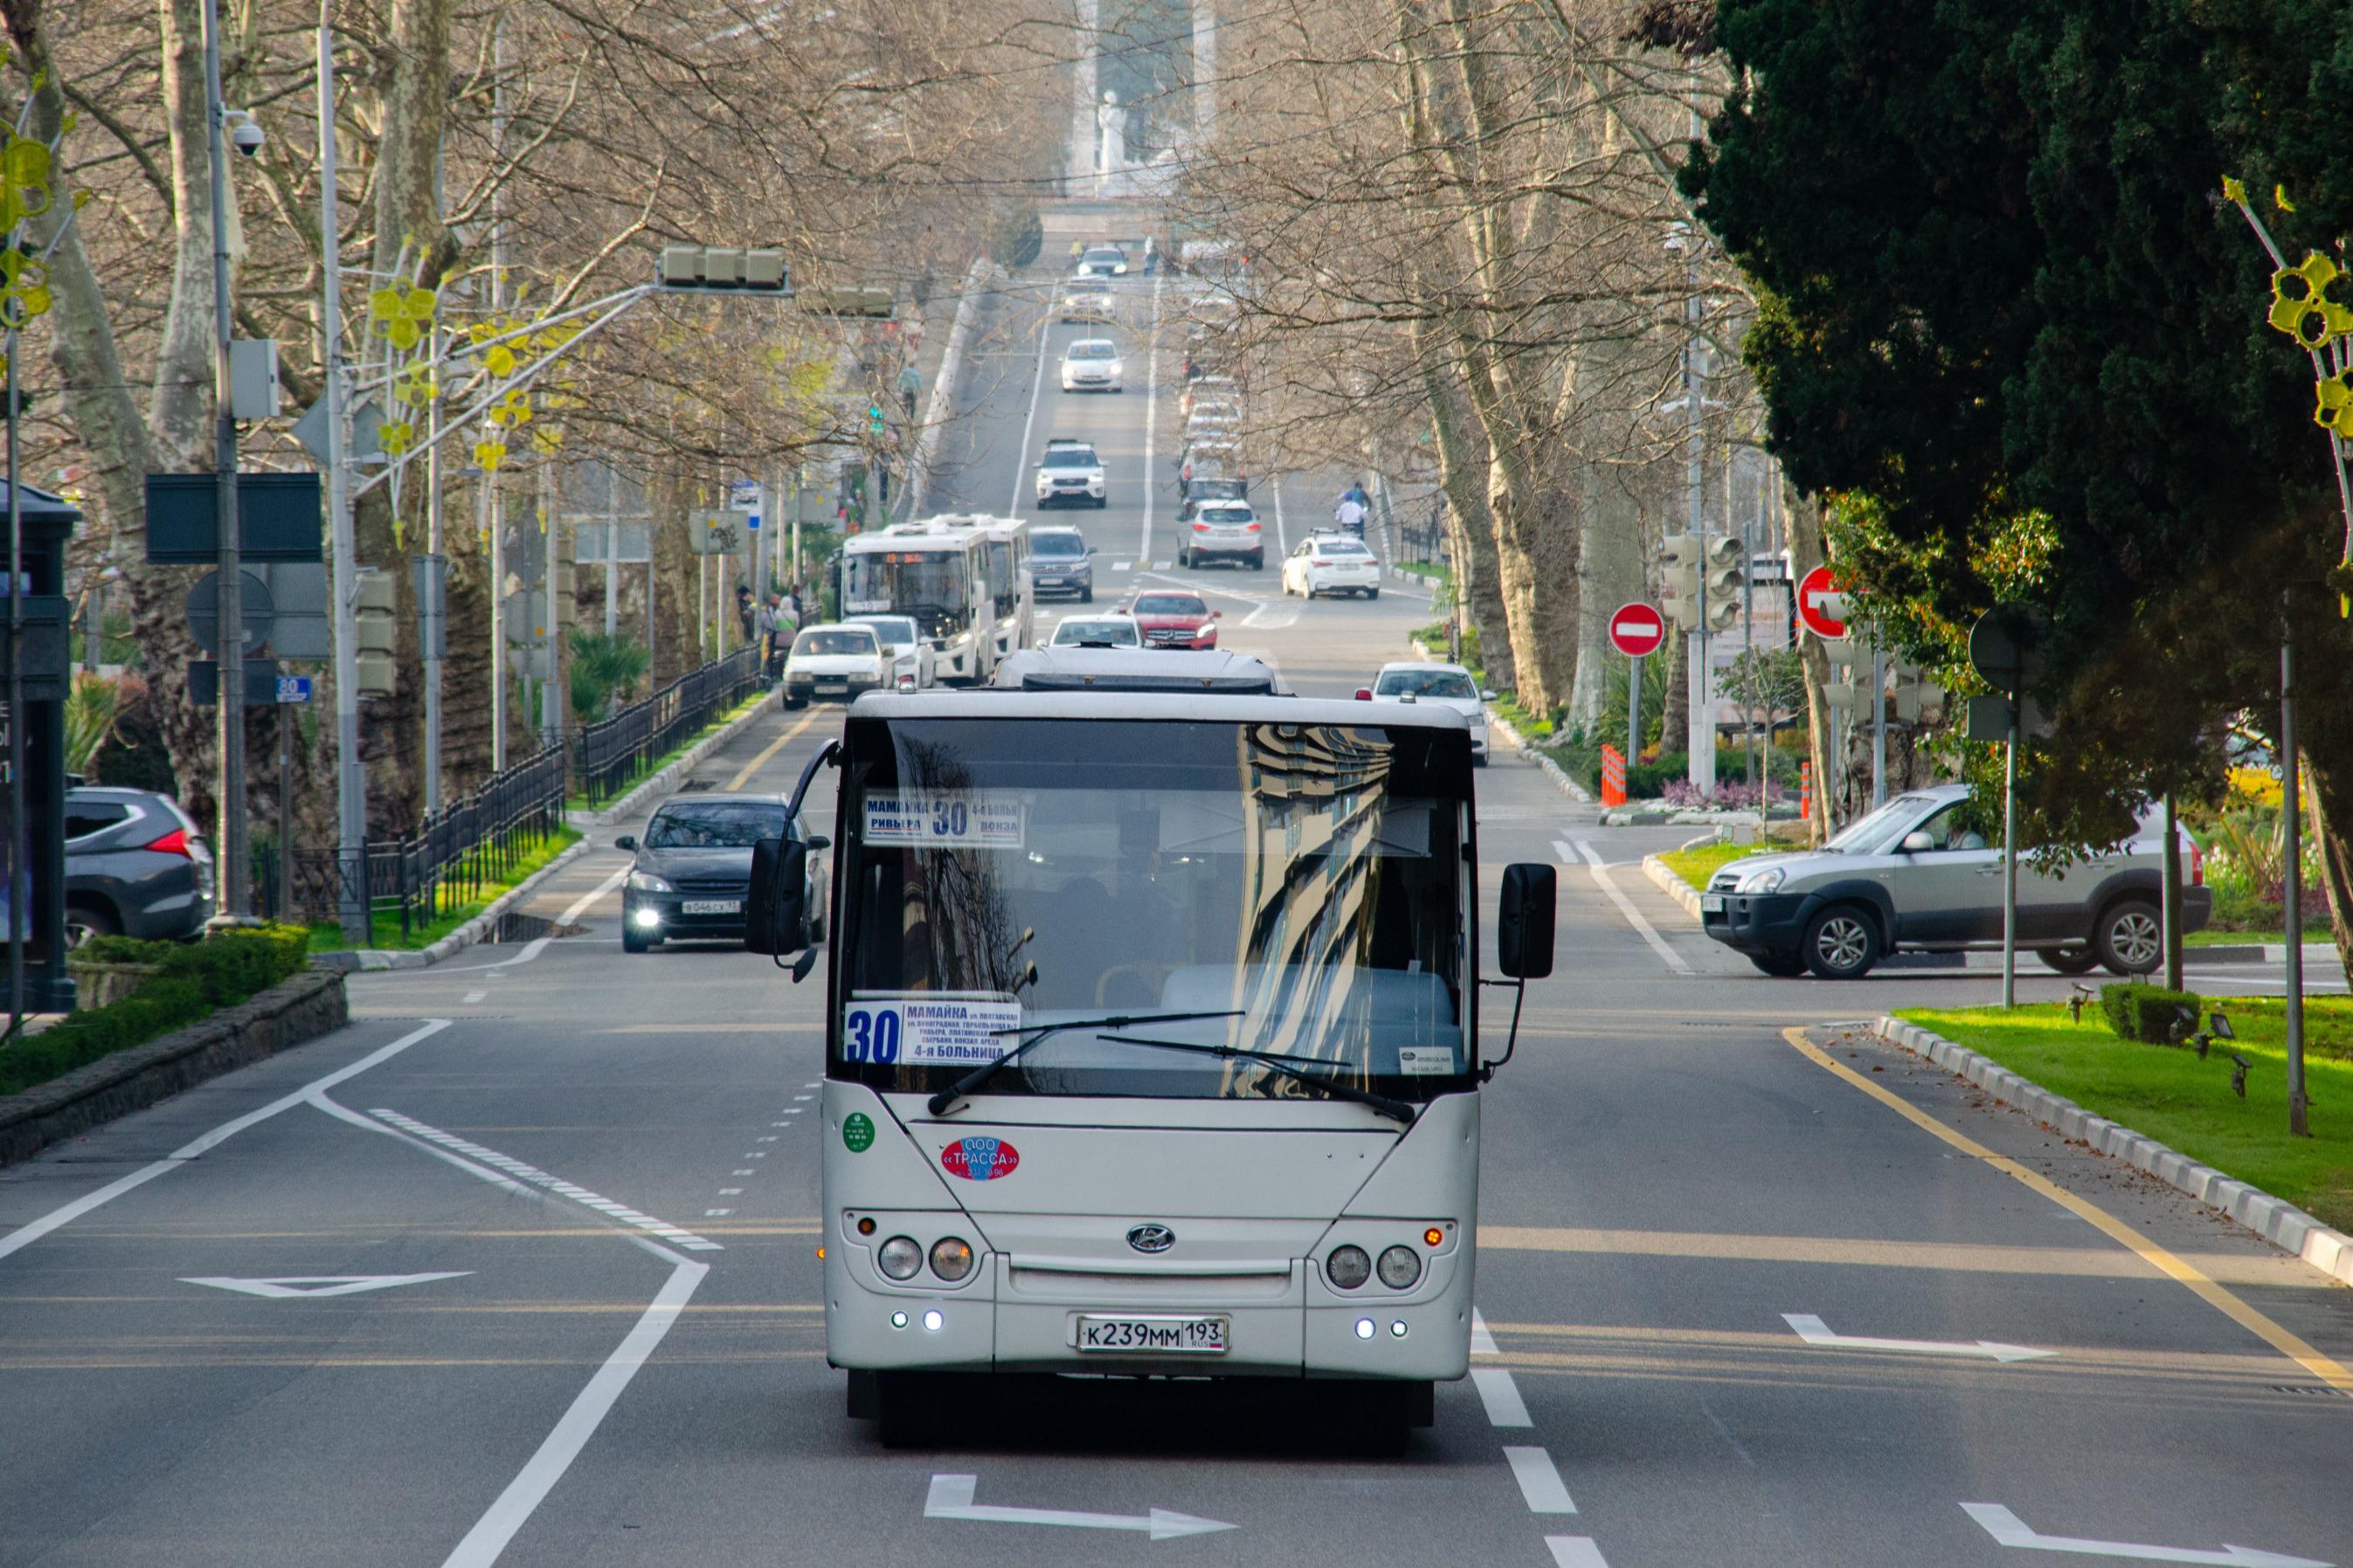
x: 2321, y: 1366
x: 778, y: 744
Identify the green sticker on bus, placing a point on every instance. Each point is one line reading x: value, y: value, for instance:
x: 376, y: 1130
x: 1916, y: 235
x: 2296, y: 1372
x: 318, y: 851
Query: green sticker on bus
x: 857, y: 1132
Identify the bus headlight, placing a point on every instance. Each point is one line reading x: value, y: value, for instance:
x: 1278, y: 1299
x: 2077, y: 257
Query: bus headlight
x: 950, y: 1258
x: 1347, y: 1268
x: 1400, y: 1268
x: 899, y: 1258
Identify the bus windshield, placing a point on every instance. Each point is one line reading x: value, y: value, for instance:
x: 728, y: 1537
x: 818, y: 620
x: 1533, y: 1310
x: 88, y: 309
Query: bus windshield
x: 935, y: 586
x: 1308, y: 880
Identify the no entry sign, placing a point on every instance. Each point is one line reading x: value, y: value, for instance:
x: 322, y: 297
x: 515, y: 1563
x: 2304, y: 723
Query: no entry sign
x: 1813, y: 592
x: 1637, y: 629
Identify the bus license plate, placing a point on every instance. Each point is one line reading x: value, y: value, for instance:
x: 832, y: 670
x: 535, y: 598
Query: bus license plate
x: 711, y: 907
x: 1154, y: 1336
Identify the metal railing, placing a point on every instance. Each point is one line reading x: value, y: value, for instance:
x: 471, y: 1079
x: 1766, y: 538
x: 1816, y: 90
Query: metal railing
x: 444, y: 865
x: 609, y: 756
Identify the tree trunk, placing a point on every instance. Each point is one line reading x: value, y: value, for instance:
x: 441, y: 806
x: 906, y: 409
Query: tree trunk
x: 2328, y: 767
x: 1609, y: 574
x: 1806, y: 553
x: 1471, y: 528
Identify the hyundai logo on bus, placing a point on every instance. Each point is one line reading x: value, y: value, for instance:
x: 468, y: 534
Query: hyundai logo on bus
x: 1152, y: 1238
x: 980, y: 1159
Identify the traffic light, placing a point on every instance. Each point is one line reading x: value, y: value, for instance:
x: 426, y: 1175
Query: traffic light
x: 874, y: 419
x: 373, y: 636
x: 1680, y: 581
x: 717, y: 269
x: 1721, y: 578
x: 1916, y: 701
x: 568, y: 608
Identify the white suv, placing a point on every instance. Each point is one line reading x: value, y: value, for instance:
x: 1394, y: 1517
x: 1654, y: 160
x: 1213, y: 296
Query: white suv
x: 1069, y: 471
x: 1093, y: 364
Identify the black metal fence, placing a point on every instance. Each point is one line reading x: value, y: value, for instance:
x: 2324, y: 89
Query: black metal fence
x: 454, y: 852
x: 611, y: 755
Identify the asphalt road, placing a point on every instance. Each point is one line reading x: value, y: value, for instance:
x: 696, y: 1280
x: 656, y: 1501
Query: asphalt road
x: 572, y: 1199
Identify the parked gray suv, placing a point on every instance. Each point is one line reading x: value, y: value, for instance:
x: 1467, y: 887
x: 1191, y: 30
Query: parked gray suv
x: 135, y: 865
x: 1917, y: 874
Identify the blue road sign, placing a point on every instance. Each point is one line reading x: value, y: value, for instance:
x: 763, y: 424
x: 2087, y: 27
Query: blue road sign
x: 293, y: 689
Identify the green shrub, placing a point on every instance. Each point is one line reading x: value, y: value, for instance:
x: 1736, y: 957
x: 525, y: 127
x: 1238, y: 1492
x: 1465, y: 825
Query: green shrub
x: 196, y: 980
x: 2151, y: 1013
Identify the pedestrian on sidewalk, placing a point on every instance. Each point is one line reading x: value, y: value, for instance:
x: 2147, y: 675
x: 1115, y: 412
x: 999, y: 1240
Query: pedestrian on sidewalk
x: 910, y: 384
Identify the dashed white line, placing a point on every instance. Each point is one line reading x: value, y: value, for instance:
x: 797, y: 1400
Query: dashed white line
x: 789, y: 1110
x: 1540, y: 1482
x: 515, y: 1168
x: 474, y: 996
x: 746, y: 1170
x: 798, y: 1098
x: 1030, y: 420
x: 1600, y: 874
x: 1501, y: 1396
x: 769, y: 1138
x: 1575, y: 1551
x: 780, y: 1124
x: 717, y: 1214
x: 1482, y: 1342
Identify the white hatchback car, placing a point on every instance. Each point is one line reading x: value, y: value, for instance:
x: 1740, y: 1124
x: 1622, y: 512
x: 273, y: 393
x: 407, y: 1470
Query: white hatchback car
x: 1093, y: 364
x: 1097, y: 631
x: 903, y: 647
x: 834, y: 661
x: 1332, y: 562
x: 1448, y: 685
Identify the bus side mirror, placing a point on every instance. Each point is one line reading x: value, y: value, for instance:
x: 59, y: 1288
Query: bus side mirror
x: 1523, y: 922
x: 773, y: 918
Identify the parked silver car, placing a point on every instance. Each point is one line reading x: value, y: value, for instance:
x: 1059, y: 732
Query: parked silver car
x: 136, y: 864
x: 1919, y: 874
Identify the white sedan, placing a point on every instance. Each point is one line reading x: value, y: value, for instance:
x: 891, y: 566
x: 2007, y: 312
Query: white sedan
x: 1097, y: 631
x: 909, y: 656
x: 834, y: 661
x: 1448, y: 685
x: 1091, y: 365
x: 1331, y: 562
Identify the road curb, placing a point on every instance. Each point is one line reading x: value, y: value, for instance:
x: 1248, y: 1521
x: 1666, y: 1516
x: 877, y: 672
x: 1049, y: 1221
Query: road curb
x: 977, y: 284
x: 373, y: 960
x: 2276, y: 1220
x: 1674, y: 887
x: 1552, y: 770
x: 290, y: 1013
x: 663, y: 782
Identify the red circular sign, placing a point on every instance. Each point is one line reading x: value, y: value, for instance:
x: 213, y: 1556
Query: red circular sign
x: 1637, y: 629
x: 1810, y: 612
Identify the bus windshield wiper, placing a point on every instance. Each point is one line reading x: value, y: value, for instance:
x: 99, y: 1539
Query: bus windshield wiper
x: 980, y: 1075
x: 1395, y: 1110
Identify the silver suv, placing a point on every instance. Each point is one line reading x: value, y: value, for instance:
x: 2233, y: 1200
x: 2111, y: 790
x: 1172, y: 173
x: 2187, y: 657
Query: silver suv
x: 1919, y: 874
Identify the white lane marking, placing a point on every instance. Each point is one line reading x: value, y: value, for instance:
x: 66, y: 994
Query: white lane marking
x: 1575, y: 1551
x: 287, y: 1285
x: 1123, y: 566
x: 717, y: 1214
x: 24, y: 1236
x: 497, y: 1527
x: 474, y: 996
x: 746, y: 1170
x: 508, y: 1165
x: 1269, y: 617
x: 802, y: 1099
x: 1281, y: 539
x: 769, y: 1138
x: 1540, y: 1482
x: 1195, y: 585
x: 731, y: 1192
x: 780, y: 1123
x: 538, y: 944
x: 812, y: 1084
x: 1814, y: 1331
x: 1642, y: 928
x: 1482, y: 1342
x: 1162, y: 565
x: 1501, y: 1396
x: 789, y: 1110
x: 950, y: 1498
x: 1151, y: 417
x: 2010, y: 1531
x: 755, y: 1154
x: 1030, y: 420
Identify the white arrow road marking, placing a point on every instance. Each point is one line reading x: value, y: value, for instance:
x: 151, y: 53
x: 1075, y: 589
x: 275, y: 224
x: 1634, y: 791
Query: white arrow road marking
x: 2010, y: 1531
x: 950, y: 1498
x: 1600, y: 874
x: 1814, y: 1331
x: 318, y: 1284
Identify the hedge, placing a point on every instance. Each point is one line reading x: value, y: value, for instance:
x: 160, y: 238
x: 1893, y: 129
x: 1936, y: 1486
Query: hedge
x: 2149, y: 1013
x: 192, y: 981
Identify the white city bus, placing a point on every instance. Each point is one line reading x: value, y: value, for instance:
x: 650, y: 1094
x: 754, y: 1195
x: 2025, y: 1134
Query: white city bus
x: 1152, y: 1045
x: 1014, y: 596
x: 938, y: 571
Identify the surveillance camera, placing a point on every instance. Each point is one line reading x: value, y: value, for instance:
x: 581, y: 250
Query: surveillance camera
x: 244, y: 133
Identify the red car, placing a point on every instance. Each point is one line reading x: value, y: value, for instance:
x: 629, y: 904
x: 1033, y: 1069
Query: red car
x: 1173, y: 619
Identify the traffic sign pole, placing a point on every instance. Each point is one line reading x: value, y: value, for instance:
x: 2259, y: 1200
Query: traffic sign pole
x: 235, y: 897
x: 1636, y: 630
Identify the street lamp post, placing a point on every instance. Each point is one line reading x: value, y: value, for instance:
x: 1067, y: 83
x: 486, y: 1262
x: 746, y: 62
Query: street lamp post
x: 350, y: 773
x: 234, y: 898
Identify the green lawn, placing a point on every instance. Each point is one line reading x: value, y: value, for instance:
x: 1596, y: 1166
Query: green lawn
x: 2166, y: 1093
x: 1696, y: 864
x: 327, y: 936
x: 581, y: 802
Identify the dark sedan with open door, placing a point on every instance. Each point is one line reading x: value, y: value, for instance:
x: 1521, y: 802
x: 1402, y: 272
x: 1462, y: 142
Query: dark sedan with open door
x: 694, y: 869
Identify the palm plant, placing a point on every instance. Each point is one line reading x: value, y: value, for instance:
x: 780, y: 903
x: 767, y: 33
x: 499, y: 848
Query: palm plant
x: 92, y: 709
x: 604, y: 668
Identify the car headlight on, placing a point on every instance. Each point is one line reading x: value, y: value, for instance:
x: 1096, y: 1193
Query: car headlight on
x: 646, y: 882
x: 950, y: 1258
x: 1763, y: 881
x: 1347, y: 1268
x: 1400, y: 1268
x: 899, y: 1258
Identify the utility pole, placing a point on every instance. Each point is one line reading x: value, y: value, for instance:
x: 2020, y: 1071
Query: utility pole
x: 435, y: 610
x: 1878, y: 723
x: 1700, y: 747
x: 350, y: 773
x: 236, y: 898
x: 2292, y: 827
